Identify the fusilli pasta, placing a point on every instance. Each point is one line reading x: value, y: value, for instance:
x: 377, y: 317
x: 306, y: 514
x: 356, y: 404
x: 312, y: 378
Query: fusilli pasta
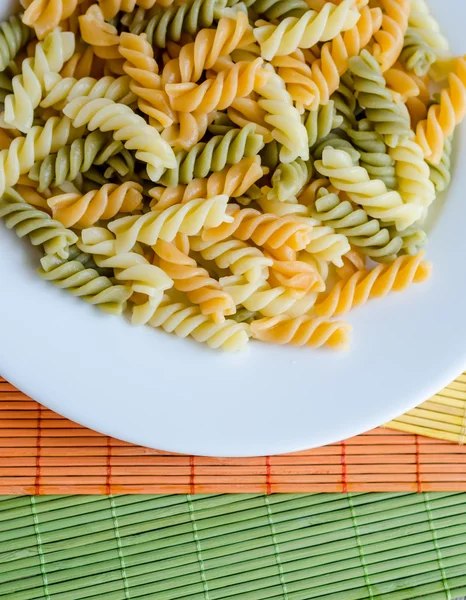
x: 76, y: 277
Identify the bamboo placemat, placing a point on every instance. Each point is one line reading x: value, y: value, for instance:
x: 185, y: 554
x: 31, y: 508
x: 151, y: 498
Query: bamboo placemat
x: 44, y: 453
x: 442, y: 417
x: 257, y: 547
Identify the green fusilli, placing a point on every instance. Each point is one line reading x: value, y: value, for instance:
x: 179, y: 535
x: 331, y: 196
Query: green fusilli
x: 41, y: 229
x: 78, y: 276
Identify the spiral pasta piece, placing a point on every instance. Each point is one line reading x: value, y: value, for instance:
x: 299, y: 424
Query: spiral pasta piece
x: 110, y: 8
x: 76, y: 210
x: 366, y: 285
x: 297, y: 75
x: 402, y: 84
x: 61, y: 91
x: 362, y: 233
x: 372, y: 195
x: 239, y: 257
x: 41, y: 229
x: 266, y: 230
x: 422, y: 22
x: 146, y: 82
x: 218, y: 93
x: 440, y: 174
x: 296, y: 275
x: 214, y: 155
x: 189, y: 277
x: 413, y: 173
x: 75, y: 158
x: 288, y: 180
x: 259, y: 296
x: 129, y: 267
x: 305, y: 31
x: 320, y: 122
x: 83, y: 63
x: 39, y: 142
x: 335, y: 55
x: 417, y: 55
x: 233, y: 181
x: 246, y: 111
x: 106, y: 115
x: 278, y: 9
x: 374, y: 155
x: 14, y: 34
x: 390, y: 38
x: 208, y: 47
x: 442, y: 118
x: 284, y: 118
x: 170, y: 23
x: 103, y: 37
x: 29, y: 86
x: 184, y: 320
x: 345, y: 102
x: 45, y: 15
x: 189, y: 218
x: 302, y: 331
x: 387, y: 118
x: 78, y: 276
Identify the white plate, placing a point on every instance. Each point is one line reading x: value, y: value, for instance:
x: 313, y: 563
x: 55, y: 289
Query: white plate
x: 153, y: 389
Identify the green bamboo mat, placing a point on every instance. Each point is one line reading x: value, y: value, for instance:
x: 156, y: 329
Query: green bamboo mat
x: 219, y: 547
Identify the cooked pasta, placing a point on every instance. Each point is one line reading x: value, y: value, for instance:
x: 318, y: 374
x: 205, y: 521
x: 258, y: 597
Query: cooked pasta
x: 132, y: 268
x: 417, y: 55
x: 302, y: 331
x: 76, y: 277
x: 75, y: 158
x: 45, y: 15
x: 41, y: 229
x: 37, y: 144
x: 288, y: 180
x: 374, y: 156
x: 63, y: 90
x: 362, y: 232
x: 335, y: 55
x: 440, y: 174
x: 214, y: 155
x: 284, y: 118
x: 76, y: 210
x: 208, y: 47
x: 305, y: 31
x: 413, y: 174
x: 185, y: 320
x: 239, y: 257
x: 369, y: 84
x: 259, y: 296
x: 106, y: 115
x: 365, y: 285
x: 189, y: 277
x: 170, y: 23
x: 371, y: 194
x: 14, y: 34
x: 390, y: 38
x: 189, y: 218
x: 442, y: 118
x: 234, y: 181
x: 227, y: 169
x: 28, y: 87
x: 266, y: 230
x: 217, y: 93
x: 146, y: 82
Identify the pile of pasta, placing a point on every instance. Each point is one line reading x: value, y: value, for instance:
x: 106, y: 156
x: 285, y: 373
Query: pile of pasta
x: 227, y: 169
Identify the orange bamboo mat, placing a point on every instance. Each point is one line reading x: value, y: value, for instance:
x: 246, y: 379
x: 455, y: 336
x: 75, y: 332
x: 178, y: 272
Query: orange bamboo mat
x: 44, y: 453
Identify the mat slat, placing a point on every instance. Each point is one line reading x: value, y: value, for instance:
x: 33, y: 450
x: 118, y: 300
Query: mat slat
x: 44, y: 453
